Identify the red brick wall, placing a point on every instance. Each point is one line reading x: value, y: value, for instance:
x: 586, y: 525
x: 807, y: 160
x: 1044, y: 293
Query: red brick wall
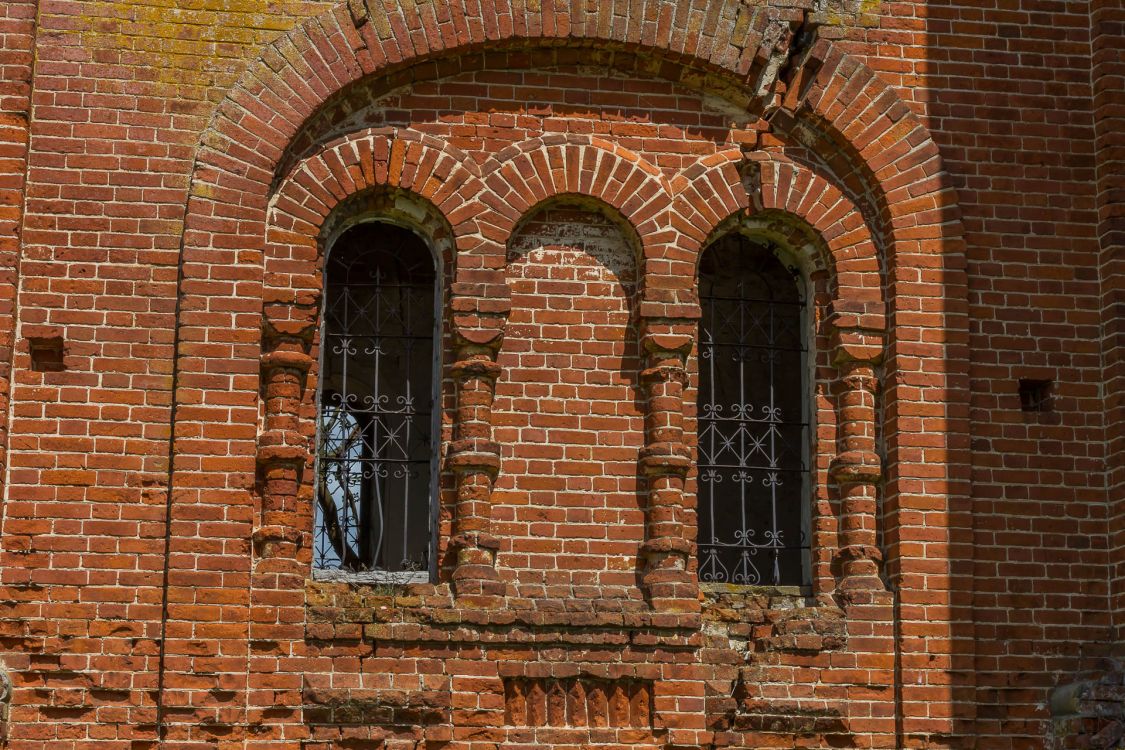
x: 182, y: 162
x: 1007, y: 92
x: 17, y: 29
x: 17, y: 32
x: 1108, y: 24
x: 567, y: 500
x: 120, y: 95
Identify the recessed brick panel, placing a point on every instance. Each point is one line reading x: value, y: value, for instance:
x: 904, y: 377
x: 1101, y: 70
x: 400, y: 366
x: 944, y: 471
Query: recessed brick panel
x: 566, y: 407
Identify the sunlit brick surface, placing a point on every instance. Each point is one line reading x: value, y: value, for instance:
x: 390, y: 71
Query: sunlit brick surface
x: 567, y: 407
x: 944, y: 176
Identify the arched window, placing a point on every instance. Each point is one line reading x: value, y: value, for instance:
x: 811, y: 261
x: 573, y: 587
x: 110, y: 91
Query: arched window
x: 752, y: 499
x: 378, y: 437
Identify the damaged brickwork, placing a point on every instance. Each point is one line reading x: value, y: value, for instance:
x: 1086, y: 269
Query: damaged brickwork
x: 1089, y: 713
x: 941, y: 179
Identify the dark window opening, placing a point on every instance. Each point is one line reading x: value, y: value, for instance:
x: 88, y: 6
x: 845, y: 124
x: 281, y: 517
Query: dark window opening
x: 377, y: 442
x: 47, y: 353
x: 1035, y: 395
x: 752, y: 473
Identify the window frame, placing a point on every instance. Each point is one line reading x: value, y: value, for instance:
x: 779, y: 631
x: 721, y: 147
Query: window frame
x: 437, y: 448
x: 806, y: 291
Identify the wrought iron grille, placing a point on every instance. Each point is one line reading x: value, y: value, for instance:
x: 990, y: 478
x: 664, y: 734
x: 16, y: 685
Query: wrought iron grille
x: 376, y: 457
x: 752, y: 428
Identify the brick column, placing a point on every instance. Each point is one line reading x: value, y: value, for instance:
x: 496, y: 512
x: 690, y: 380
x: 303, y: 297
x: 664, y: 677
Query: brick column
x: 665, y: 461
x: 278, y: 574
x: 857, y: 467
x: 475, y: 460
x: 282, y: 449
x: 480, y: 303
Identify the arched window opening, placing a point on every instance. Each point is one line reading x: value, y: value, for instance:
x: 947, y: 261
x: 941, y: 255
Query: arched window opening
x: 378, y: 437
x: 752, y: 424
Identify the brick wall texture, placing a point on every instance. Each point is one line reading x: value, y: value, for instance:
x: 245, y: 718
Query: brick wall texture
x: 947, y: 177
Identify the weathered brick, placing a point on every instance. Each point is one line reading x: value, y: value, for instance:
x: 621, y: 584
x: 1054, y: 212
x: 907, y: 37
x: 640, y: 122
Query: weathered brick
x: 946, y: 176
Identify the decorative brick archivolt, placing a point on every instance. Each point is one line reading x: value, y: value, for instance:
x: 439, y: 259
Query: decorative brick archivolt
x: 521, y: 177
x: 732, y: 48
x: 303, y: 69
x: 734, y: 182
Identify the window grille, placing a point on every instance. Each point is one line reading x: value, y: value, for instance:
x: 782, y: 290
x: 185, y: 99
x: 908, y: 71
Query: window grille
x: 752, y: 474
x: 376, y: 444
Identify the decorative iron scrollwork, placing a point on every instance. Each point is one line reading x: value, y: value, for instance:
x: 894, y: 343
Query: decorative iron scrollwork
x: 376, y: 459
x: 752, y: 429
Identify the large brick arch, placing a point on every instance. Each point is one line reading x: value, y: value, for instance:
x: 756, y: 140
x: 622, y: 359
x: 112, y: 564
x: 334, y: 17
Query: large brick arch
x: 876, y: 144
x: 303, y: 70
x: 881, y: 153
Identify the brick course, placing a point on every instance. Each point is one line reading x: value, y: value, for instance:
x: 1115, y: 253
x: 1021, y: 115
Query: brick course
x: 944, y: 176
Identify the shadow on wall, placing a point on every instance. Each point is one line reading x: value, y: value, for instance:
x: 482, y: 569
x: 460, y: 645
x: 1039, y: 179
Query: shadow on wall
x: 1006, y: 89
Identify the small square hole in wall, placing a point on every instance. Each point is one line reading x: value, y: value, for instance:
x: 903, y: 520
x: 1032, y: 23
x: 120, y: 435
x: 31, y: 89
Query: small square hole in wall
x: 1035, y: 395
x: 46, y: 354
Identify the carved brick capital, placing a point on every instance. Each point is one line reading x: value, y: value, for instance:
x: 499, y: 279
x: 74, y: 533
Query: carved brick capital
x: 475, y: 368
x: 476, y: 330
x: 668, y: 337
x: 480, y: 308
x: 665, y: 458
x: 286, y: 359
x: 299, y: 330
x: 474, y: 456
x: 856, y: 466
x: 678, y: 343
x: 857, y: 345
